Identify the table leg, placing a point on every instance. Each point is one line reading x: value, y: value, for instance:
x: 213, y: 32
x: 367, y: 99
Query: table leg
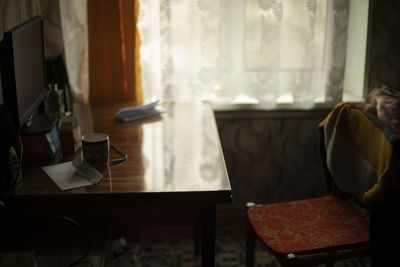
x: 208, y: 235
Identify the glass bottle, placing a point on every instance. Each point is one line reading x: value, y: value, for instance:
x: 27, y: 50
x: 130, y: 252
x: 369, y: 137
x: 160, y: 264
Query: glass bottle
x: 54, y: 103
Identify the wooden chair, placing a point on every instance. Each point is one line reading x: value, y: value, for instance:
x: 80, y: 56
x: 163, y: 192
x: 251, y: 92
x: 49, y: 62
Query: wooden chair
x: 330, y: 228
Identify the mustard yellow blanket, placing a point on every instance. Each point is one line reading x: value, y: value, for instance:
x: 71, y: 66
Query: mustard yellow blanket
x: 362, y: 153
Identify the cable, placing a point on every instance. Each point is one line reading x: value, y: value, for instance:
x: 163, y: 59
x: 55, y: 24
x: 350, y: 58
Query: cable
x: 78, y: 225
x: 123, y: 155
x: 21, y: 145
x: 86, y: 234
x: 19, y: 173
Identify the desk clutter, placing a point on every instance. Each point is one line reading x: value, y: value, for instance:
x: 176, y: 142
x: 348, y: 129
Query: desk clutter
x: 63, y: 138
x: 55, y: 131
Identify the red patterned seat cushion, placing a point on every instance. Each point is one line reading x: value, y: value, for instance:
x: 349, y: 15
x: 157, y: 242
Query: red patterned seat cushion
x: 310, y: 224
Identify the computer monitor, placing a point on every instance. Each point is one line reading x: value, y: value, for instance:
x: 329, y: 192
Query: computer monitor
x: 23, y: 70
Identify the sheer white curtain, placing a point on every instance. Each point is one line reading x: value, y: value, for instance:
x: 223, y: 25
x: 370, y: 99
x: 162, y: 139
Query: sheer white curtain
x: 236, y: 51
x: 73, y: 15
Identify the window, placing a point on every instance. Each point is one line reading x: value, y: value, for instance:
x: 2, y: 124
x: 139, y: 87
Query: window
x: 265, y: 52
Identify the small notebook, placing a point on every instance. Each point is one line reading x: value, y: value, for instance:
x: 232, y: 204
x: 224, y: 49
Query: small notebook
x: 135, y: 113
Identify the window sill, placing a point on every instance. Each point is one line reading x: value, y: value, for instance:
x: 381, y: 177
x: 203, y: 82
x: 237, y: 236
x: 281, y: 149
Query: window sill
x: 279, y: 110
x: 257, y: 111
x: 265, y: 107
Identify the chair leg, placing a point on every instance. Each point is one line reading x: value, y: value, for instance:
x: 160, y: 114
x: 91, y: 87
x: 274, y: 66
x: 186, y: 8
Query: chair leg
x: 250, y: 241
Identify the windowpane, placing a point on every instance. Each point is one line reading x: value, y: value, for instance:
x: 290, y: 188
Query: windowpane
x: 255, y: 51
x: 285, y: 35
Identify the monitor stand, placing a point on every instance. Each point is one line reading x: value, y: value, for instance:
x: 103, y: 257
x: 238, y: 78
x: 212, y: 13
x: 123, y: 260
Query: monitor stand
x: 39, y: 124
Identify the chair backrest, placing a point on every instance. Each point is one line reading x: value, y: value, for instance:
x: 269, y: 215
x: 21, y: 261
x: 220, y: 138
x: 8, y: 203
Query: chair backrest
x: 360, y: 153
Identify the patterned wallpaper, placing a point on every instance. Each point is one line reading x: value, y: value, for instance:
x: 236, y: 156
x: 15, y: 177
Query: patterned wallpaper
x: 272, y: 156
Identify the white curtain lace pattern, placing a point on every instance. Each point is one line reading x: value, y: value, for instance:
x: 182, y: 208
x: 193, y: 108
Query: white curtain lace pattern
x: 256, y: 51
x: 74, y: 29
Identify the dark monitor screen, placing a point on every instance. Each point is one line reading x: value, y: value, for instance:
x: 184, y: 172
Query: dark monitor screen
x: 24, y: 76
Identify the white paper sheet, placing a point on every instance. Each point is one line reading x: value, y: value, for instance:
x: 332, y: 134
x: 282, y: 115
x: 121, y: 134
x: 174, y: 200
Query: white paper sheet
x: 65, y: 176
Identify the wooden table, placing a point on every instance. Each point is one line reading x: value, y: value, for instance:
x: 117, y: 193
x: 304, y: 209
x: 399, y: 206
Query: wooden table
x: 175, y: 170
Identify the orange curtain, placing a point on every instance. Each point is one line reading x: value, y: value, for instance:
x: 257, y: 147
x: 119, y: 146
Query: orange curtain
x: 114, y: 69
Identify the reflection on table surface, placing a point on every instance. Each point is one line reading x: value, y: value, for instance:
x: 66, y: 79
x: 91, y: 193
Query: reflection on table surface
x: 177, y: 151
